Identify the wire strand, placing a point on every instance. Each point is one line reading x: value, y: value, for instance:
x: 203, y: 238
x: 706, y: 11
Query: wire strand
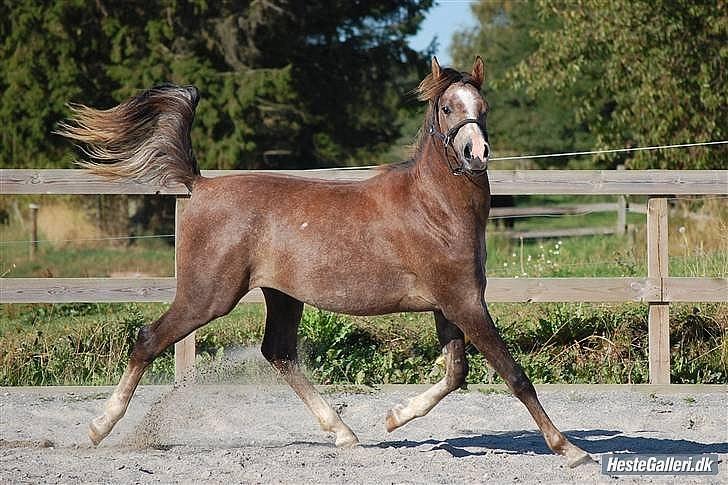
x: 87, y: 239
x: 564, y: 154
x: 515, y: 216
x: 612, y: 150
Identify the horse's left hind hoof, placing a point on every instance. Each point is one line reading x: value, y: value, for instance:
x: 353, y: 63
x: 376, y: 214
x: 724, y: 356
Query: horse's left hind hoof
x: 393, y: 419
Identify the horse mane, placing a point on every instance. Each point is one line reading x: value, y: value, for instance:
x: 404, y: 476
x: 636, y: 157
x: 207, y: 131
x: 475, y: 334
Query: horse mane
x: 430, y: 89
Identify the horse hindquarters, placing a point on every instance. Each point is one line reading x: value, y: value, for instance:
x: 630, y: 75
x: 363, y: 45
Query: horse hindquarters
x: 209, y: 285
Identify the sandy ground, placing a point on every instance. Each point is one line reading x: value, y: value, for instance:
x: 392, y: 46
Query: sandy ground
x: 262, y: 434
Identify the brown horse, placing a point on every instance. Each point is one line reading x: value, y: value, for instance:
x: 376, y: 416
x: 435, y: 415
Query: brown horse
x: 411, y: 238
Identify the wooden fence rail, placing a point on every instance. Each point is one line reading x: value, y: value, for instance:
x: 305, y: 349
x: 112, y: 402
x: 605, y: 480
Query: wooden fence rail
x: 657, y: 289
x: 621, y: 207
x: 502, y: 182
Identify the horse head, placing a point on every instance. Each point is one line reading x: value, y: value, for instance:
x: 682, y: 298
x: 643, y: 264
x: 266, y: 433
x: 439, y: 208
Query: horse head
x: 457, y: 116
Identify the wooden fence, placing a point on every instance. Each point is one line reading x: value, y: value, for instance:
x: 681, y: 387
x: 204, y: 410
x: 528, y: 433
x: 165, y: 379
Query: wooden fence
x: 622, y: 207
x: 657, y: 288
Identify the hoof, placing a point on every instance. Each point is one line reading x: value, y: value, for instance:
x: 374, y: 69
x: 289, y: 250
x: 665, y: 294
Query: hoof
x: 349, y: 440
x: 581, y: 460
x: 391, y: 421
x: 95, y: 434
x: 576, y: 457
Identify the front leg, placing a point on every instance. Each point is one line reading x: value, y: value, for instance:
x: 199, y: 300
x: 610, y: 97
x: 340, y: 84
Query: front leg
x: 456, y: 369
x: 477, y: 323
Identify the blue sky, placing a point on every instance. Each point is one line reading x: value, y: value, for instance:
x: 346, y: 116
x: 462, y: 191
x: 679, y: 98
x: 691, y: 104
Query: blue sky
x: 442, y: 20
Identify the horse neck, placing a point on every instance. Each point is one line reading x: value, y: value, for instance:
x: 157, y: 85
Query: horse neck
x: 442, y: 190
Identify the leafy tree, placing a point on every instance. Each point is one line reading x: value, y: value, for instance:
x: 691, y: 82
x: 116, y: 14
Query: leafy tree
x: 284, y: 84
x: 662, y: 74
x: 42, y: 66
x: 545, y: 122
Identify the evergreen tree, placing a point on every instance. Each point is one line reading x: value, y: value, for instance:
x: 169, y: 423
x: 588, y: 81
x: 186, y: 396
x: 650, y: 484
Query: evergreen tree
x: 284, y: 83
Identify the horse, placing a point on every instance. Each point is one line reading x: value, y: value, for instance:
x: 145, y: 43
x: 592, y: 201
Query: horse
x: 409, y: 239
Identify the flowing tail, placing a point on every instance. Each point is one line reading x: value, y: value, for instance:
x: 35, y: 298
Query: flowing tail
x: 145, y: 139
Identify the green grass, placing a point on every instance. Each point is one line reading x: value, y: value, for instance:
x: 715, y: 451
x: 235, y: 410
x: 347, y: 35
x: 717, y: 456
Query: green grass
x: 82, y: 259
x: 88, y: 344
x: 576, y: 257
x: 91, y: 262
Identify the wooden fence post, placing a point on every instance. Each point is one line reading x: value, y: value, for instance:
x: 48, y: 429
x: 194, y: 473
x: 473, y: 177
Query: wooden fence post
x: 184, y: 350
x: 622, y: 206
x: 659, y: 312
x: 34, y: 228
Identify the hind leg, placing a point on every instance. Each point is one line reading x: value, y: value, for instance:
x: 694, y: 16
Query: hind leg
x: 456, y: 369
x: 186, y: 314
x: 283, y: 314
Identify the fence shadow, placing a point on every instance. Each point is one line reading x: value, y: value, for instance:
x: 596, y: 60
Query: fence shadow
x: 592, y: 441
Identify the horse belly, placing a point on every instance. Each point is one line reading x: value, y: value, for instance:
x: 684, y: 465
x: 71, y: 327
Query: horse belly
x: 365, y: 301
x: 367, y: 289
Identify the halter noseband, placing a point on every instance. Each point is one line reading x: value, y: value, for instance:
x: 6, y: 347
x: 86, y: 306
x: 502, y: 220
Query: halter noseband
x: 447, y: 139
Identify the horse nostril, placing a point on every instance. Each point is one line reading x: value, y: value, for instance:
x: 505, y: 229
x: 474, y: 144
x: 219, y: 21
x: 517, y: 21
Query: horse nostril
x: 468, y: 151
x: 486, y: 152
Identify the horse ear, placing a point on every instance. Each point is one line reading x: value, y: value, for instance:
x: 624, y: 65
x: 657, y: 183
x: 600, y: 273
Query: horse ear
x: 478, y: 72
x: 436, y: 71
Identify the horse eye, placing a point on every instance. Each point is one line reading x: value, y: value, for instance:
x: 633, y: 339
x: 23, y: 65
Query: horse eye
x: 446, y: 110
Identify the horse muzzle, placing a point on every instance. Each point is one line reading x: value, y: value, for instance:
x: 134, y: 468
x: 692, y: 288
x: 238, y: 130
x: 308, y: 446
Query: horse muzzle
x: 473, y: 163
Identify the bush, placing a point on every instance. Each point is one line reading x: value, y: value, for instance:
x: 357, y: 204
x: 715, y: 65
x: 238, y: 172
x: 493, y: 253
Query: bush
x: 88, y: 351
x: 337, y: 351
x: 89, y: 344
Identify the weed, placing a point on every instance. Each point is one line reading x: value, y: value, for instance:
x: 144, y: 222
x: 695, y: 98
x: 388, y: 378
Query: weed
x: 347, y: 389
x: 494, y: 390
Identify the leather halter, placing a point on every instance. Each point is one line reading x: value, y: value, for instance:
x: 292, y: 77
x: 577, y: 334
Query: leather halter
x: 447, y: 139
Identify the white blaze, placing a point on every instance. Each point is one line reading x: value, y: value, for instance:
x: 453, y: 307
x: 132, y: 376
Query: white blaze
x: 470, y: 102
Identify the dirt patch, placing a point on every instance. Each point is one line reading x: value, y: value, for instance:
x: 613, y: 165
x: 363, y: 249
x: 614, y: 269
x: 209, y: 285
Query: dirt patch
x: 26, y: 444
x: 246, y: 433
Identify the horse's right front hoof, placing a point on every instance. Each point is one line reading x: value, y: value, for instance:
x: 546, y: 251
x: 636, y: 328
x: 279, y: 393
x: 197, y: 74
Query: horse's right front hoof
x: 347, y: 440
